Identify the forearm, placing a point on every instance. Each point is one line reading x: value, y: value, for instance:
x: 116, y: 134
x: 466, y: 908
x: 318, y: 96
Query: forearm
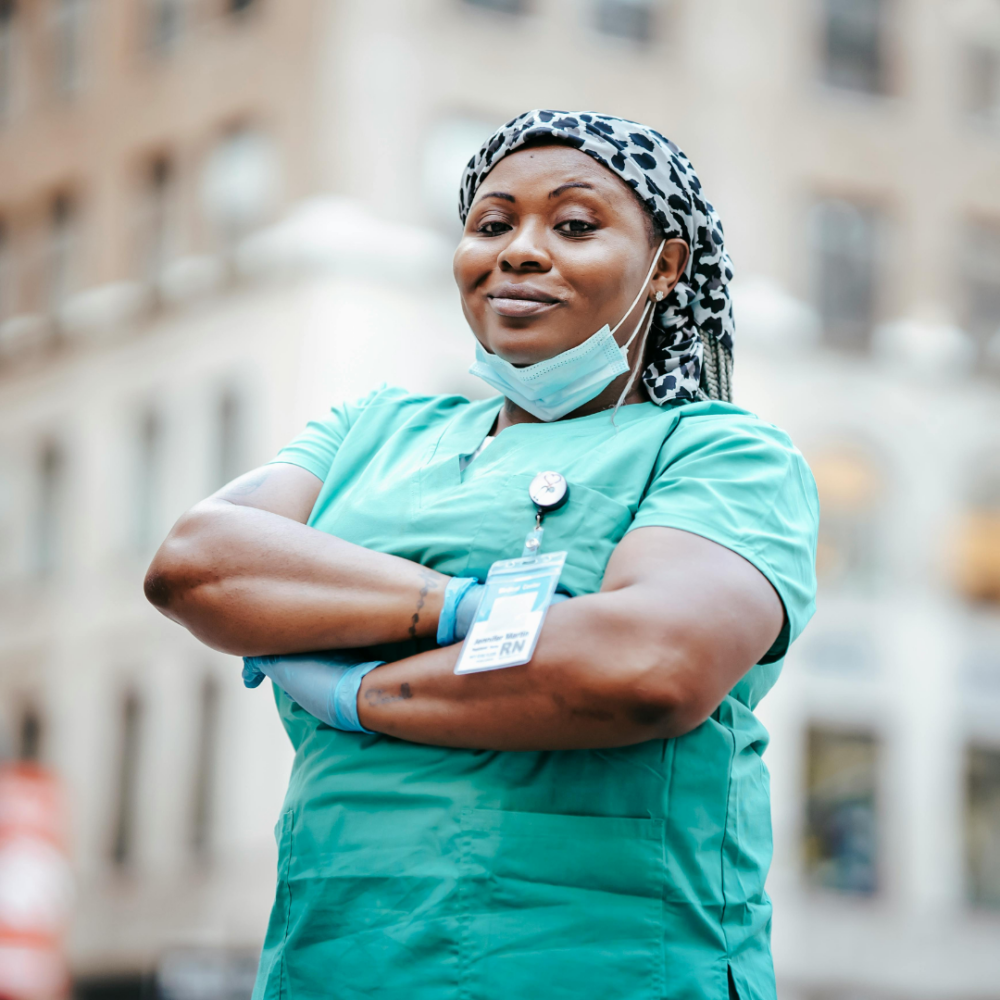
x: 251, y: 582
x: 593, y: 682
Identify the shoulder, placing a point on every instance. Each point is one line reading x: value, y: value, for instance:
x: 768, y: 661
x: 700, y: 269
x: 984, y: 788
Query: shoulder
x: 718, y: 460
x: 396, y: 406
x: 730, y: 438
x: 353, y: 429
x: 393, y: 416
x: 714, y: 421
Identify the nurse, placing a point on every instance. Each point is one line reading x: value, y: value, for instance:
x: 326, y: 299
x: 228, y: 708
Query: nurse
x: 594, y: 823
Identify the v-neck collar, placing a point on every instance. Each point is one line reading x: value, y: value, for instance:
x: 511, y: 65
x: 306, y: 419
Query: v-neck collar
x: 466, y: 430
x: 470, y: 423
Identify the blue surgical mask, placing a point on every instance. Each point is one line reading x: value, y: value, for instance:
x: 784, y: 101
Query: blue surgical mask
x: 552, y: 388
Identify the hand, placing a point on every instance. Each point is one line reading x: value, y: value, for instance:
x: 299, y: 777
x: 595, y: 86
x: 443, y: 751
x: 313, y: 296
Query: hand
x: 325, y: 684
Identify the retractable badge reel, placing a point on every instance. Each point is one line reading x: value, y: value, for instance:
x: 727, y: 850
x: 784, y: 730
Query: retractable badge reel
x: 548, y: 492
x: 518, y: 592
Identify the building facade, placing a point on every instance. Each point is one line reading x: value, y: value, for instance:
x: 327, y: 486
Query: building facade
x: 217, y: 217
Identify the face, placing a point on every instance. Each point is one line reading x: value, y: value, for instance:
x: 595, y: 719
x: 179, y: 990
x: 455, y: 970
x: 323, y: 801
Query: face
x: 555, y: 246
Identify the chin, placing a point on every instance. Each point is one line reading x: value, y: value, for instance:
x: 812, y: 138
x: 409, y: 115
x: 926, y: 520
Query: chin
x: 525, y: 347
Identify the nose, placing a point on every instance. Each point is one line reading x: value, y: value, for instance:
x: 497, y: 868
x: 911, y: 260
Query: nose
x: 526, y: 251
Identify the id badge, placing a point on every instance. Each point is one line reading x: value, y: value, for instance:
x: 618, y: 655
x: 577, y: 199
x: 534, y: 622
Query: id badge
x: 511, y: 613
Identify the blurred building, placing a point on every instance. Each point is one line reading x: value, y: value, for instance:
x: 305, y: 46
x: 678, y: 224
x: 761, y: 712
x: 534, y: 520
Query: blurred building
x: 139, y: 142
x: 218, y: 216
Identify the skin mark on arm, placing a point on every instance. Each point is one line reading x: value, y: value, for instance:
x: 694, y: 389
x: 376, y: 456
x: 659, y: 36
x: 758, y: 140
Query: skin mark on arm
x: 379, y: 696
x: 429, y: 584
x: 594, y: 714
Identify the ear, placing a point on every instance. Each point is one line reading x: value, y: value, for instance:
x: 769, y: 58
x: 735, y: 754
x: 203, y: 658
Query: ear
x: 670, y: 270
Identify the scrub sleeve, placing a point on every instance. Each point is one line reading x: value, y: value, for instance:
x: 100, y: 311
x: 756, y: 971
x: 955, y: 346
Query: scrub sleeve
x: 745, y: 487
x: 427, y: 873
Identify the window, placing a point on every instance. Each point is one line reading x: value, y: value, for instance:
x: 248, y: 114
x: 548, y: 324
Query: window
x: 6, y: 283
x: 68, y: 37
x: 981, y: 65
x: 6, y: 57
x: 230, y: 461
x: 149, y: 481
x: 631, y: 19
x: 61, y: 255
x: 504, y: 6
x: 158, y: 219
x: 123, y: 832
x: 165, y: 22
x: 29, y: 737
x: 841, y: 842
x: 979, y: 539
x: 240, y: 183
x: 204, y: 774
x: 980, y: 270
x: 853, y: 44
x: 982, y: 826
x: 845, y: 245
x: 850, y: 490
x: 49, y: 509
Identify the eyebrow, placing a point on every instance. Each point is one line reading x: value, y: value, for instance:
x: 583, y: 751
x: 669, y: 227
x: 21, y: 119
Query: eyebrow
x: 572, y: 184
x: 552, y: 194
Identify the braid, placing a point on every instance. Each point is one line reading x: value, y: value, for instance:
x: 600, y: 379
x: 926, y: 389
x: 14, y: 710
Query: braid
x: 727, y: 369
x: 710, y: 369
x: 716, y: 371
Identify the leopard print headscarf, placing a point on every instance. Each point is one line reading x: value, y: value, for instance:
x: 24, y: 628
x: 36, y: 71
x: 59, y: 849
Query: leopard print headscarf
x: 690, y: 352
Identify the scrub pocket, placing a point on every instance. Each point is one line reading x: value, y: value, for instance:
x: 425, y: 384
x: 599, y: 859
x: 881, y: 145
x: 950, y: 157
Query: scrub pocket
x: 561, y: 907
x: 587, y: 528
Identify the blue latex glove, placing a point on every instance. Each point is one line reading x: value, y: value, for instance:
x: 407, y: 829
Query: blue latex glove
x: 326, y: 685
x: 461, y: 602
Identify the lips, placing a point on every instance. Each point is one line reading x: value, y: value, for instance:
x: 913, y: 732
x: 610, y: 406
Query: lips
x: 517, y: 300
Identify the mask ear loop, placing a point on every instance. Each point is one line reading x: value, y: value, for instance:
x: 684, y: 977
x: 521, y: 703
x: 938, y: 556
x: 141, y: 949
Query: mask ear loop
x: 648, y: 310
x: 641, y: 355
x: 635, y: 301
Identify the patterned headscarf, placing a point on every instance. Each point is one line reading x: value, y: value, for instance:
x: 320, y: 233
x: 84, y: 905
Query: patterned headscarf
x: 690, y: 346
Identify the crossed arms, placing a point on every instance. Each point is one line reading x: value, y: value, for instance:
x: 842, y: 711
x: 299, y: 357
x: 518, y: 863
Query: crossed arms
x: 677, y: 622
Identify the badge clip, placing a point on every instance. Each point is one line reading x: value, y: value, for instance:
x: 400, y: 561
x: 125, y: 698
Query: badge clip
x: 511, y: 612
x: 548, y: 492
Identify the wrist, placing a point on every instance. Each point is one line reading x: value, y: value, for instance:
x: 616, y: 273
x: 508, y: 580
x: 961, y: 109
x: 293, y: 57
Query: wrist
x: 428, y: 603
x: 365, y: 704
x: 346, y: 695
x: 451, y: 623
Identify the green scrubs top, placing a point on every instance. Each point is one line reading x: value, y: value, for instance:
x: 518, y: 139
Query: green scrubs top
x: 424, y: 873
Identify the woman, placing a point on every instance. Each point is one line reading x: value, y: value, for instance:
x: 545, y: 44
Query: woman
x: 622, y: 852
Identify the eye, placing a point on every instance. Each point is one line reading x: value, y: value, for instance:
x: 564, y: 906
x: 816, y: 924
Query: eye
x: 576, y: 227
x: 493, y: 228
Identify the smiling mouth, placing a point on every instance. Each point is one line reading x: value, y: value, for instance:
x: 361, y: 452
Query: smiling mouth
x: 518, y: 304
x: 520, y: 307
